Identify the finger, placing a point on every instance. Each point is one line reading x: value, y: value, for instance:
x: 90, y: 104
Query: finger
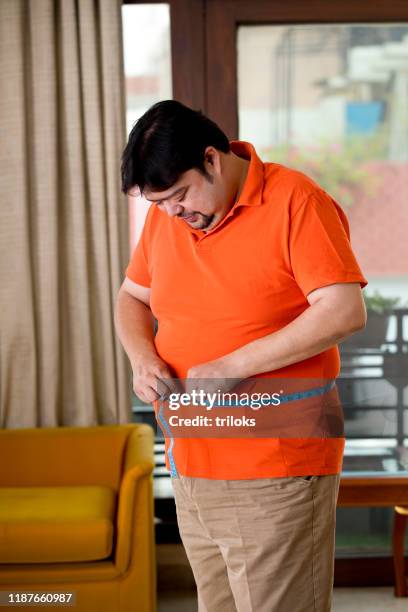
x: 167, y: 385
x: 161, y: 388
x: 151, y: 395
x: 199, y: 384
x: 141, y: 396
x: 146, y: 393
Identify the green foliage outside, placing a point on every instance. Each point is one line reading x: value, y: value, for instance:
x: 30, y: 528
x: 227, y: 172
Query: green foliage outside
x: 378, y: 303
x: 340, y: 168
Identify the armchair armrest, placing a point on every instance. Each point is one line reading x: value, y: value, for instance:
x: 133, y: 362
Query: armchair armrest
x: 135, y: 517
x: 139, y: 447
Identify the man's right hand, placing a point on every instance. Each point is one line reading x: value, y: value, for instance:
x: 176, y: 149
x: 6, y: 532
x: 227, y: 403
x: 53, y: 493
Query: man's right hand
x: 152, y: 379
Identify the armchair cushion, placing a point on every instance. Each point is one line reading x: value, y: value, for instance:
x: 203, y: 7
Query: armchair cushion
x: 56, y: 523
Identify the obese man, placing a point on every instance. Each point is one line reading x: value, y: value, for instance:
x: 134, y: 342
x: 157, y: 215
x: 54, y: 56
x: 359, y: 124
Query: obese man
x: 248, y: 269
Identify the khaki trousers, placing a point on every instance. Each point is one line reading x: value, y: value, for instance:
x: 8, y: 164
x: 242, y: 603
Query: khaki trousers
x: 261, y: 545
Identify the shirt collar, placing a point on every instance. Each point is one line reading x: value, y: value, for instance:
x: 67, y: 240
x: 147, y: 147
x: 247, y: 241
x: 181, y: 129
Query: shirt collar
x: 251, y: 193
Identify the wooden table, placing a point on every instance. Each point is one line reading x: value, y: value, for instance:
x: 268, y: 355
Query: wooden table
x: 381, y: 489
x: 373, y: 489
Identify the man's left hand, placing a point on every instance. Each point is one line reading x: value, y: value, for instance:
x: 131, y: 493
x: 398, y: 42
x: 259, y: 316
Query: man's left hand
x: 211, y: 376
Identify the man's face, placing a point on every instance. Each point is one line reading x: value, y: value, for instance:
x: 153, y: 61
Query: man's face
x: 201, y: 201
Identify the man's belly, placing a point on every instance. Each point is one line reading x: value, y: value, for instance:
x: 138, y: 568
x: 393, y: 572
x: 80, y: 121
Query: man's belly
x: 182, y: 351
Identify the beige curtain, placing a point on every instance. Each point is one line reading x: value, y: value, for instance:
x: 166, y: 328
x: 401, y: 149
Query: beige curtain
x: 63, y: 220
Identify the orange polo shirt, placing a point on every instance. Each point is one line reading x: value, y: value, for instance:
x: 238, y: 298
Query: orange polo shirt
x: 213, y: 292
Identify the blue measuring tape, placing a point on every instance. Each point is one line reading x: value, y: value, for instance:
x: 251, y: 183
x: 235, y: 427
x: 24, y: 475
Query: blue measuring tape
x: 290, y: 397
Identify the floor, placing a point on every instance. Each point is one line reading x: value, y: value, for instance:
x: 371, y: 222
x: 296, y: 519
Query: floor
x: 379, y: 599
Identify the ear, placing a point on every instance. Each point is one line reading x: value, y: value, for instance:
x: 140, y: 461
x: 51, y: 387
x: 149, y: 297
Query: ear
x: 212, y: 160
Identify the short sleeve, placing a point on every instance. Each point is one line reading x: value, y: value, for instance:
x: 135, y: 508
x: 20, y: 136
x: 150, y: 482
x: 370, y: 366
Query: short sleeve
x: 319, y: 245
x: 138, y: 268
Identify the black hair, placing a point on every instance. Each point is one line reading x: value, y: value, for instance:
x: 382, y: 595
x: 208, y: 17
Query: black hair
x: 169, y: 139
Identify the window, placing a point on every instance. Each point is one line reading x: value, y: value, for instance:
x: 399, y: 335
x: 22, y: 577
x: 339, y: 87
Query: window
x: 147, y: 59
x: 331, y: 100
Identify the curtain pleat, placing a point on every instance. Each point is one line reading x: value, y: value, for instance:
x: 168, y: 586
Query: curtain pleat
x: 63, y: 224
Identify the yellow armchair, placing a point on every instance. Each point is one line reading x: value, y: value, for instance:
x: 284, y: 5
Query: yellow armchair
x: 76, y: 515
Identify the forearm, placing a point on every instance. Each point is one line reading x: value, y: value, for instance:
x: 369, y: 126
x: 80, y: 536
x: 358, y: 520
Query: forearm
x: 318, y: 328
x: 134, y: 324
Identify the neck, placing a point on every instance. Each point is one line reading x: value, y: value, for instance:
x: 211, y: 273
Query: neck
x: 242, y: 166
